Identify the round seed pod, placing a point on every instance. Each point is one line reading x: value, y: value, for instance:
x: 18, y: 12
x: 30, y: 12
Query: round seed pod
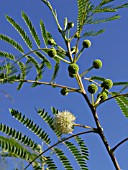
x: 97, y: 64
x: 92, y: 88
x: 64, y: 91
x: 51, y: 42
x: 107, y: 84
x: 103, y: 96
x: 86, y: 43
x: 52, y: 52
x: 70, y: 25
x: 74, y: 49
x: 73, y: 69
x: 72, y: 75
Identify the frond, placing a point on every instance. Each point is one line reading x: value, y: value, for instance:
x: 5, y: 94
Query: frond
x: 56, y: 69
x: 48, y: 4
x: 122, y: 6
x: 120, y: 83
x: 20, y: 31
x: 78, y: 156
x: 23, y: 74
x: 122, y: 103
x: 82, y: 13
x: 31, y: 125
x: 83, y: 148
x: 64, y: 160
x: 48, y: 119
x: 18, y: 136
x: 12, y: 42
x: 15, y: 149
x: 50, y: 164
x: 97, y: 78
x: 93, y: 33
x: 31, y: 28
x: 46, y: 61
x: 104, y: 9
x: 45, y: 34
x: 102, y: 20
x: 54, y: 110
x: 104, y: 2
x: 7, y: 55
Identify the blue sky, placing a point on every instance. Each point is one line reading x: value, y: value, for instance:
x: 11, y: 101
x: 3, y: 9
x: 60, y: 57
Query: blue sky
x: 110, y: 47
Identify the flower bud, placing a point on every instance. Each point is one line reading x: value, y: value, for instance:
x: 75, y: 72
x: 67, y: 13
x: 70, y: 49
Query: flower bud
x: 52, y: 52
x: 70, y: 25
x: 51, y: 42
x: 73, y: 69
x: 107, y: 84
x: 92, y: 88
x: 103, y: 96
x: 64, y: 91
x: 97, y: 64
x: 74, y: 50
x: 86, y: 43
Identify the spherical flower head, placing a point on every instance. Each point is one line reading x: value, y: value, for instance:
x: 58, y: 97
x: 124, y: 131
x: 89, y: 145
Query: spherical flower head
x: 97, y: 64
x: 74, y: 50
x: 86, y: 43
x: 64, y: 91
x: 103, y: 96
x: 52, y: 52
x: 92, y: 88
x: 72, y: 75
x: 107, y: 84
x: 73, y: 69
x: 70, y: 25
x: 63, y: 122
x: 51, y: 42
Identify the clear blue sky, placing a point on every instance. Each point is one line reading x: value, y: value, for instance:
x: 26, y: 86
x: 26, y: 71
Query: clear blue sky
x: 111, y: 47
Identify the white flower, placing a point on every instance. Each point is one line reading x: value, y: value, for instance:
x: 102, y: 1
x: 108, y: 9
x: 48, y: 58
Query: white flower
x: 63, y: 122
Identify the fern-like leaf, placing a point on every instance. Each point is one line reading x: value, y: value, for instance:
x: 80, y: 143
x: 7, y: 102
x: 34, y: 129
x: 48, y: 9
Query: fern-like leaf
x: 31, y: 125
x: 97, y: 78
x: 78, y: 156
x: 120, y: 83
x: 12, y: 42
x: 7, y: 55
x: 63, y: 159
x: 102, y: 20
x: 56, y: 69
x: 122, y: 103
x: 15, y: 149
x: 20, y: 31
x: 46, y: 61
x: 18, y: 136
x: 23, y: 74
x: 31, y: 28
x: 83, y: 148
x: 45, y: 34
x: 50, y: 164
x: 93, y: 33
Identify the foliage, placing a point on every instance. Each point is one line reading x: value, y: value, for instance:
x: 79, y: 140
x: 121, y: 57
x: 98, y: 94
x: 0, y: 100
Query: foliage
x: 14, y: 69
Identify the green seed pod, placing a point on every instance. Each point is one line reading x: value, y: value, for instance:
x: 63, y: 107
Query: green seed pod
x: 97, y: 64
x: 72, y: 75
x: 107, y: 84
x: 74, y: 50
x: 52, y: 52
x: 70, y: 25
x: 64, y: 91
x: 103, y: 96
x: 51, y: 42
x: 92, y: 88
x: 73, y: 69
x: 86, y: 43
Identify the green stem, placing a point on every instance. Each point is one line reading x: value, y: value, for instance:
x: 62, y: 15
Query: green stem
x: 81, y: 75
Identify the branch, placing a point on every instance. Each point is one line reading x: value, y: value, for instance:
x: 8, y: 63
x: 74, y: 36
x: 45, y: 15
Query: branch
x: 125, y: 94
x: 45, y: 83
x: 81, y: 133
x: 120, y: 143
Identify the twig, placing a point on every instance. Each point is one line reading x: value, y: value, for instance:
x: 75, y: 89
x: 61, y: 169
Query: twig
x: 120, y: 143
x: 81, y: 133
